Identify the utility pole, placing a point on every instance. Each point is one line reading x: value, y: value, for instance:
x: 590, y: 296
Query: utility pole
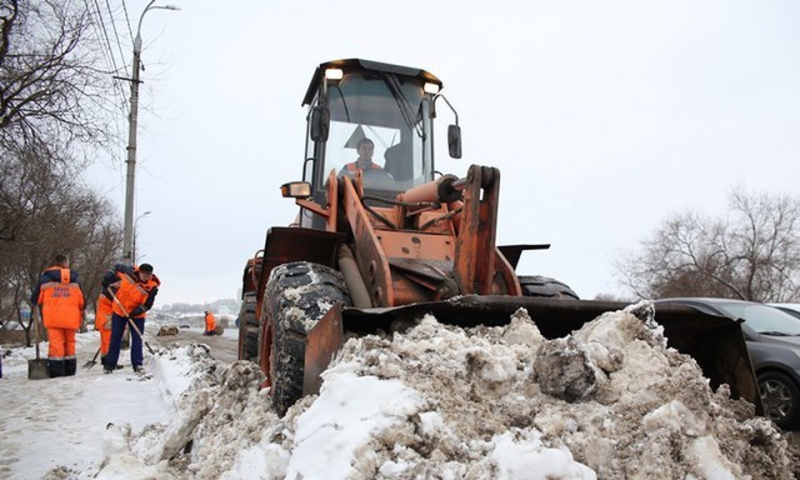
x: 127, y: 242
x: 127, y: 239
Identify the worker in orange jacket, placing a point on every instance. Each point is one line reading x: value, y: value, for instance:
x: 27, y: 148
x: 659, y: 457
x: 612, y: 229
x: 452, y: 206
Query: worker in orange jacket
x: 102, y: 320
x: 211, y: 323
x: 59, y: 294
x: 365, y: 149
x: 137, y: 291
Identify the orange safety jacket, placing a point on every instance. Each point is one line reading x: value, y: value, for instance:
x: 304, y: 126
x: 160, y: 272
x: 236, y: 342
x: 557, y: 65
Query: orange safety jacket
x: 102, y: 318
x: 62, y: 301
x: 135, y: 296
x: 353, y: 166
x: 211, y: 322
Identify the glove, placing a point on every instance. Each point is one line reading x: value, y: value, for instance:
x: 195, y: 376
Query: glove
x: 137, y: 311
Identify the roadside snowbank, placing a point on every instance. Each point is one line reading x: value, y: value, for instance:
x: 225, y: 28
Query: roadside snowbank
x: 435, y: 401
x: 609, y: 401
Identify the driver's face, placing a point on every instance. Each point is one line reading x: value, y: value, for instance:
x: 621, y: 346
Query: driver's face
x: 365, y: 151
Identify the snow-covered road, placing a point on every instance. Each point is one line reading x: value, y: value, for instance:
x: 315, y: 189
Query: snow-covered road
x: 62, y: 421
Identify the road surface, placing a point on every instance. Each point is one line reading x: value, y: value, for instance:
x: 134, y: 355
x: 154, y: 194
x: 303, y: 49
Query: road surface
x: 223, y: 348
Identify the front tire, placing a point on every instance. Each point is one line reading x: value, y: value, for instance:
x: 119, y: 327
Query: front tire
x: 298, y: 295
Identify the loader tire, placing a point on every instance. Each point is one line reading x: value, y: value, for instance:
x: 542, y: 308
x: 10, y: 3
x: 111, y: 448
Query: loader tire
x: 248, y: 328
x: 539, y: 286
x: 297, y: 296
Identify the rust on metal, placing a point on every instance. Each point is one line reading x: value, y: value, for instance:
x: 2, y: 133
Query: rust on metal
x: 475, y: 242
x: 322, y: 343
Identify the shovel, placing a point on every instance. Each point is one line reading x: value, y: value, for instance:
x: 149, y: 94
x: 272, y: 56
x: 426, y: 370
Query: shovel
x: 91, y: 363
x: 130, y: 322
x: 37, y: 369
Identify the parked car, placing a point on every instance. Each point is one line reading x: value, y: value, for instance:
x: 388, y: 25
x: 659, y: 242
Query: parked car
x: 790, y: 308
x: 773, y: 342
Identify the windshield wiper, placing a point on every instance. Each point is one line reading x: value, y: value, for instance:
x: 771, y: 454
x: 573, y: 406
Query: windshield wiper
x: 406, y: 110
x: 344, y: 104
x: 775, y: 333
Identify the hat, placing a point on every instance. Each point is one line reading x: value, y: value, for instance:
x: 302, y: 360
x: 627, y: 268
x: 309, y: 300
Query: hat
x: 146, y: 268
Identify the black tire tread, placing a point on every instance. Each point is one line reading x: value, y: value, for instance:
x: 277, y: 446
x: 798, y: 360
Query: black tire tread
x: 312, y: 287
x: 248, y: 328
x: 540, y: 286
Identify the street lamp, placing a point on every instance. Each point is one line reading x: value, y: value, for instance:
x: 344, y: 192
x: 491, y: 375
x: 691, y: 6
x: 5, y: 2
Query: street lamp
x: 127, y: 241
x: 136, y: 222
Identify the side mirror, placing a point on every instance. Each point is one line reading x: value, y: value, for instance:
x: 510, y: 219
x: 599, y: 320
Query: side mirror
x: 320, y: 123
x: 454, y: 140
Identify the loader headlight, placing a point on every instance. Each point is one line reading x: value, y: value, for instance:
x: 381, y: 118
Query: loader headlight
x: 296, y: 190
x: 431, y: 88
x: 334, y: 73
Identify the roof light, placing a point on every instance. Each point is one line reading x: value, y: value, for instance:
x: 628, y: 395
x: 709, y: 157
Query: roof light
x: 431, y: 88
x: 334, y: 73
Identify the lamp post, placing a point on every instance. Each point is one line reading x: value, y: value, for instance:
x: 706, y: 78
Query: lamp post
x: 127, y: 239
x: 135, y: 223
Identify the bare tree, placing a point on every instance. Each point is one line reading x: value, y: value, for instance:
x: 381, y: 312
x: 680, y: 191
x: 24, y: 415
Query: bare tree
x: 54, y: 111
x: 52, y: 93
x: 56, y: 214
x: 752, y: 253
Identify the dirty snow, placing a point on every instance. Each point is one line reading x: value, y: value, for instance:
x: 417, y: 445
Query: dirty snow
x: 435, y: 401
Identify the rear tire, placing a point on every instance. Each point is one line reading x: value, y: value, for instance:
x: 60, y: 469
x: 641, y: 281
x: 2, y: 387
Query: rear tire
x: 780, y: 397
x: 248, y: 328
x: 297, y: 296
x: 539, y: 286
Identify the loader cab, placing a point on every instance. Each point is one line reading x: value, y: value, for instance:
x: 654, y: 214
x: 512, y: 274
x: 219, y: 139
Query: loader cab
x: 392, y: 106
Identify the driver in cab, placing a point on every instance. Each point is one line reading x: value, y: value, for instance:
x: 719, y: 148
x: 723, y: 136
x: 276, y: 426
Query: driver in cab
x: 365, y: 149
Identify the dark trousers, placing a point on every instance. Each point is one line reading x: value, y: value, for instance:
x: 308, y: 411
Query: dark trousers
x: 118, y: 325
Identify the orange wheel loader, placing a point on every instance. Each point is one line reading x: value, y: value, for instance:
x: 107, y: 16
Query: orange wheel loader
x: 390, y: 238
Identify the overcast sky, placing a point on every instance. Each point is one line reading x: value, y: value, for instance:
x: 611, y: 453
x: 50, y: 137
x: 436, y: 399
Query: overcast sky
x: 604, y: 118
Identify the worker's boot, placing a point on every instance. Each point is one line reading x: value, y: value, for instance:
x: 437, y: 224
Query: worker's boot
x: 103, y: 360
x: 55, y: 368
x: 70, y: 366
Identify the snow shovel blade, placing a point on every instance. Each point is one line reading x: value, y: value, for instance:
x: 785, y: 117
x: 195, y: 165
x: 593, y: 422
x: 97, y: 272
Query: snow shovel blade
x: 716, y: 343
x: 91, y: 363
x: 37, y: 369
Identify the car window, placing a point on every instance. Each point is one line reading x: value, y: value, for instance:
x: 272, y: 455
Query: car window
x: 762, y: 318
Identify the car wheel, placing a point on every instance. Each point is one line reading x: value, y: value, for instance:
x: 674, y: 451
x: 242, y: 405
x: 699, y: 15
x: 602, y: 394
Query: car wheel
x: 780, y: 397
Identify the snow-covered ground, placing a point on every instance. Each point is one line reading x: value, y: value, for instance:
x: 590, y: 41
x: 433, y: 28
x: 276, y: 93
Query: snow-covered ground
x: 609, y: 401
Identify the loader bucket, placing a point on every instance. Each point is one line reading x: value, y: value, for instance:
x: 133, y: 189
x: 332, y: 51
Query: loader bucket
x: 716, y: 343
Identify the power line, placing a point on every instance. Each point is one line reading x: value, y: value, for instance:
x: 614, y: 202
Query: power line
x: 109, y: 50
x: 108, y: 54
x: 127, y: 20
x: 116, y: 34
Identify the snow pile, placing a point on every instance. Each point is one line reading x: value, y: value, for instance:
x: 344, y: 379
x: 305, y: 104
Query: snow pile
x: 608, y: 401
